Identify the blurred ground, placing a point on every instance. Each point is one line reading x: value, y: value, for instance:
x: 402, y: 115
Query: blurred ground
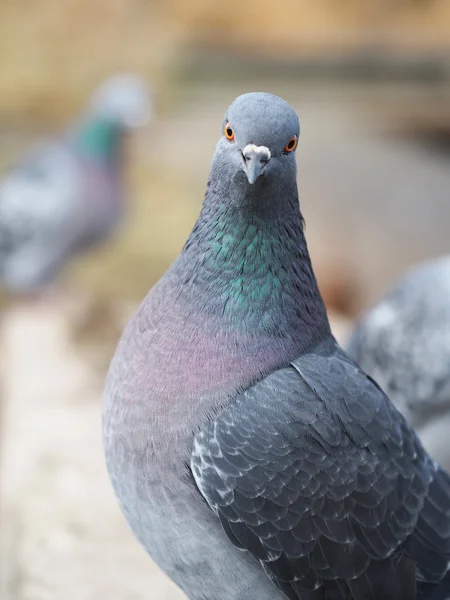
x: 52, y: 52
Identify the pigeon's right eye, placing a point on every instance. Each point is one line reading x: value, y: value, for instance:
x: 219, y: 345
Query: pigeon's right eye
x: 291, y: 145
x: 229, y: 133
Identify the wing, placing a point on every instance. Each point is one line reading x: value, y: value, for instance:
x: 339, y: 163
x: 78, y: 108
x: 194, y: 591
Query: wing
x: 38, y: 209
x: 318, y: 476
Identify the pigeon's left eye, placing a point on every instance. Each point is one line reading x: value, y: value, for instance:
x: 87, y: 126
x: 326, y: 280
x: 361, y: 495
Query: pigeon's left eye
x: 291, y: 145
x: 229, y: 133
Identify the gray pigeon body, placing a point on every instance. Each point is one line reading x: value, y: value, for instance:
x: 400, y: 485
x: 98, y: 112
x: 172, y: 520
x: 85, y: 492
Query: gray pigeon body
x: 251, y: 457
x: 404, y: 344
x: 67, y: 194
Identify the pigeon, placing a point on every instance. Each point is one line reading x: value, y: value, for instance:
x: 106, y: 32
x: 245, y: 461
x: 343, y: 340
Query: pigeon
x: 66, y: 195
x: 403, y: 342
x: 251, y: 457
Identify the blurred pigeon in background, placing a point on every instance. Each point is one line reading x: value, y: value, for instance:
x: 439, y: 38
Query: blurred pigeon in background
x: 404, y: 344
x: 251, y: 457
x: 67, y: 194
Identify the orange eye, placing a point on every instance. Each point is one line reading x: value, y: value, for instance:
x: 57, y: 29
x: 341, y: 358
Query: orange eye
x: 291, y: 145
x: 229, y: 133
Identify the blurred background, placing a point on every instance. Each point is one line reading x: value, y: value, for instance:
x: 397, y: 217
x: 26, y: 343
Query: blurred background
x: 371, y: 83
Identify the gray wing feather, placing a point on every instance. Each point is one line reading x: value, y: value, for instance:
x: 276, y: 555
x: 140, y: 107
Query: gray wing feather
x: 317, y: 475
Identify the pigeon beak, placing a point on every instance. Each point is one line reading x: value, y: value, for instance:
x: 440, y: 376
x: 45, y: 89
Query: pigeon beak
x: 255, y: 159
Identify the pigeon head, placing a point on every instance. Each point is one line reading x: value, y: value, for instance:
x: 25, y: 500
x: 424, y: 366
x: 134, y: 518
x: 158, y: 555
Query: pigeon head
x: 121, y: 103
x: 260, y: 136
x: 246, y: 258
x: 124, y: 99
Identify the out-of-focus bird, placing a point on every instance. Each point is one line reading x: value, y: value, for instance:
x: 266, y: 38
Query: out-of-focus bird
x: 251, y: 456
x: 67, y: 195
x: 403, y: 342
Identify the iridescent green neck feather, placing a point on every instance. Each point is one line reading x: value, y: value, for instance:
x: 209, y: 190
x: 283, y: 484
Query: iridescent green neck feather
x: 247, y: 261
x: 98, y: 138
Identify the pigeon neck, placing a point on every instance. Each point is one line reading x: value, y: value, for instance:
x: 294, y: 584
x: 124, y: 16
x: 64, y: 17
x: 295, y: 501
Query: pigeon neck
x: 247, y: 260
x: 98, y: 138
